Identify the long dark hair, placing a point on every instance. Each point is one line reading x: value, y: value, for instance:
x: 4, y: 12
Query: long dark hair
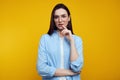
x: 52, y: 23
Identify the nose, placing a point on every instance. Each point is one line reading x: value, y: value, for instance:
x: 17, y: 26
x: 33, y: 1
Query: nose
x: 59, y: 19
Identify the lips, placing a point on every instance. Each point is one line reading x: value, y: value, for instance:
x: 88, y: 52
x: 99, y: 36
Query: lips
x: 60, y: 25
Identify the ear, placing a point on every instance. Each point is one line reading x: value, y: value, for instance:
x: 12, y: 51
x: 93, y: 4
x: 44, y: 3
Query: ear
x: 68, y: 18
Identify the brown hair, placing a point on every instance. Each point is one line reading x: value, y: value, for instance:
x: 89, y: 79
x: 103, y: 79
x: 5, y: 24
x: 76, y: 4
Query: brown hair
x: 52, y: 23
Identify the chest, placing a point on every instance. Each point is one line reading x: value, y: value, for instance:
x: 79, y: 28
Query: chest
x: 57, y: 45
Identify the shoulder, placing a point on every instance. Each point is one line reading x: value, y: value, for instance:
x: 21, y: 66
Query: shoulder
x: 77, y: 38
x: 78, y: 41
x: 47, y: 36
x: 44, y: 37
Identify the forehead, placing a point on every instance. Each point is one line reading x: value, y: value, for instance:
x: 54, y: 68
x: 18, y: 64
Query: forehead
x: 60, y: 11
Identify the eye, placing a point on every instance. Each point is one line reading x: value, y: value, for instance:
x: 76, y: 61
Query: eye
x: 55, y: 17
x: 64, y: 16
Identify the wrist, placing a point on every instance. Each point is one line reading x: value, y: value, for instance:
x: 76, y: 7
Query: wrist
x: 72, y: 41
x: 69, y: 73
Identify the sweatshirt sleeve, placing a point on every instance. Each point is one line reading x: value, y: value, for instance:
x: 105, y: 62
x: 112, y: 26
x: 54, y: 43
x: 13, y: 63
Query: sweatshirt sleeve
x: 42, y: 65
x: 78, y: 63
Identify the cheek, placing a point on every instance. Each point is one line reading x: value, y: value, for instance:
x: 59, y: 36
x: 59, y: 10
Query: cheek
x: 66, y: 21
x: 55, y: 21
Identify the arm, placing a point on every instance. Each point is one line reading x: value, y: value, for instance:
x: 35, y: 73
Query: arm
x: 64, y: 72
x: 76, y: 56
x: 42, y: 67
x: 73, y: 51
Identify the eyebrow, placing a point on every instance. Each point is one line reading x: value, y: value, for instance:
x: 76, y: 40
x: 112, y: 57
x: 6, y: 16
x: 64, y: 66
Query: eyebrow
x: 60, y: 15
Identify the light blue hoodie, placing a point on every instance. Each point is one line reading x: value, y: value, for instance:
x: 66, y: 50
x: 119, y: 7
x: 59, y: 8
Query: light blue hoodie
x: 54, y: 52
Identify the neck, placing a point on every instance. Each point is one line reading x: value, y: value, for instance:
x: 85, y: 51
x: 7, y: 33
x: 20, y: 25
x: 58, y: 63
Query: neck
x: 60, y: 34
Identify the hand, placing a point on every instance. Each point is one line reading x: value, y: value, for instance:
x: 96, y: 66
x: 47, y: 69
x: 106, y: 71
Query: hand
x: 73, y: 73
x: 65, y: 72
x: 67, y: 33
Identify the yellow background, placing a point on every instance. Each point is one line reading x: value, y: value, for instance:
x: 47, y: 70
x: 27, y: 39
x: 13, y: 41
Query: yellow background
x: 22, y: 22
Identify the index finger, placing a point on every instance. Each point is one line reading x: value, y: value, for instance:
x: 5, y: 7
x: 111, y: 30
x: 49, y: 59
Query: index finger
x: 64, y: 27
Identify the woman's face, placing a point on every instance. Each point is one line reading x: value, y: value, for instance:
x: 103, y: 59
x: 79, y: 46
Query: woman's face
x: 61, y: 18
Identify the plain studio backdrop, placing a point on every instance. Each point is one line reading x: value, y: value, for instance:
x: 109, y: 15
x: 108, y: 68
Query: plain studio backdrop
x: 22, y: 22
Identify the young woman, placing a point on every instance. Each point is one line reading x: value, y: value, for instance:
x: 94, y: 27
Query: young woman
x: 60, y: 51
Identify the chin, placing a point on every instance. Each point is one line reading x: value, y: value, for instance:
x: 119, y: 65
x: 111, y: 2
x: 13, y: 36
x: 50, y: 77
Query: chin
x: 60, y: 29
